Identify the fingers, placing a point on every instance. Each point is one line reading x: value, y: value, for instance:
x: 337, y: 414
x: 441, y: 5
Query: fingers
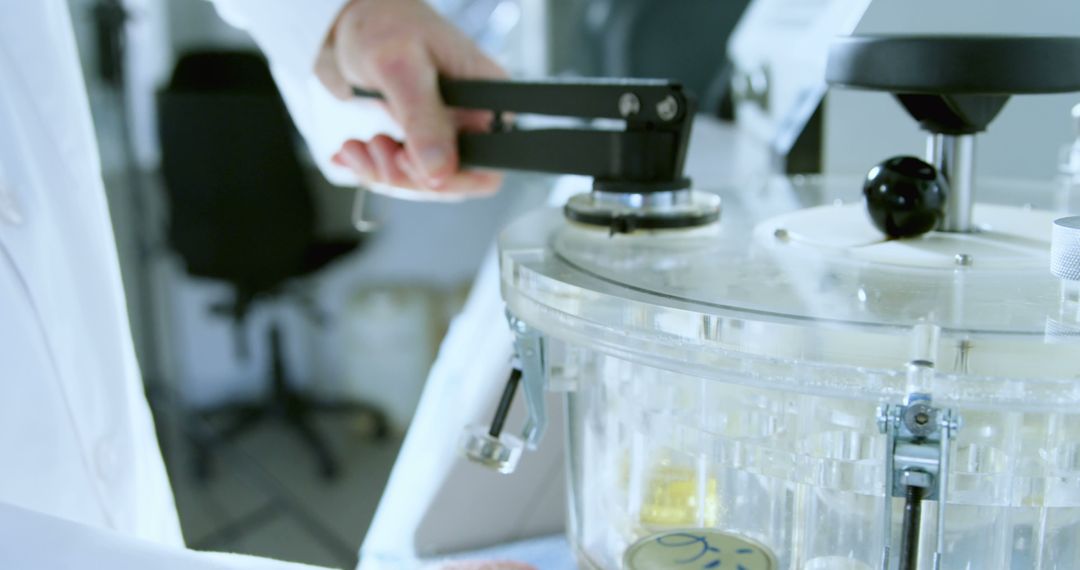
x: 401, y: 48
x: 472, y: 121
x: 327, y: 71
x: 384, y: 151
x: 472, y: 183
x: 384, y: 164
x: 458, y: 57
x: 355, y: 156
x: 409, y: 82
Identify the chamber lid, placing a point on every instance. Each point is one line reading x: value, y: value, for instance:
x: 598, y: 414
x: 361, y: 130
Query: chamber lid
x: 796, y: 273
x: 826, y: 263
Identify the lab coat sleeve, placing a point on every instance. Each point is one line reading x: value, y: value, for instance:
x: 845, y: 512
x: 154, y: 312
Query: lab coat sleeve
x: 42, y: 542
x: 291, y: 33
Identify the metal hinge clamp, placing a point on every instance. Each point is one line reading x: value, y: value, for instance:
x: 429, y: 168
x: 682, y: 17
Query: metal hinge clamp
x: 918, y: 439
x: 489, y: 446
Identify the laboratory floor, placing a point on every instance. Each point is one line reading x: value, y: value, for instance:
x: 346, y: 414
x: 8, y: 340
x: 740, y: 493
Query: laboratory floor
x: 267, y: 498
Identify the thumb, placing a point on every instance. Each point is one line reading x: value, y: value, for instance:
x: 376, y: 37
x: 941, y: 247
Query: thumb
x: 409, y: 82
x: 457, y: 56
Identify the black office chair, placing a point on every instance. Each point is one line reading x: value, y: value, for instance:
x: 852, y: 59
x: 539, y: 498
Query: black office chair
x: 242, y: 212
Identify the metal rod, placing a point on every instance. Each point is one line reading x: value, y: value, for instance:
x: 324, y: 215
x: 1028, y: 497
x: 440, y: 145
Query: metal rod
x: 504, y: 403
x: 888, y: 425
x: 909, y: 551
x: 948, y: 424
x: 954, y: 157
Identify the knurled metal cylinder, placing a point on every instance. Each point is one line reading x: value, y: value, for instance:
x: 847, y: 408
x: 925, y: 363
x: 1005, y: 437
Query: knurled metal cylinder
x: 1065, y: 249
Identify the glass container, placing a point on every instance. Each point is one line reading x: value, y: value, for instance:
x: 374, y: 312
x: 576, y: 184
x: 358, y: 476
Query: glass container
x: 729, y: 377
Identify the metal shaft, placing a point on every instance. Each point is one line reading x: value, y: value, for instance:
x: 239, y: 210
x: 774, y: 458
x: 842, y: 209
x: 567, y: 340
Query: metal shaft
x: 954, y: 157
x: 504, y: 403
x: 949, y: 424
x: 909, y: 545
x: 887, y: 423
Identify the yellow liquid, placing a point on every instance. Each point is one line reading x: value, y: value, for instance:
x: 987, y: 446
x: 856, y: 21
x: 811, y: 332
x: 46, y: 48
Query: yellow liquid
x: 672, y: 500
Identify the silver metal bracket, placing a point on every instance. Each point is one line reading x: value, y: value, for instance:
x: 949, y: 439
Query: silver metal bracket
x: 529, y: 346
x: 491, y: 446
x: 918, y: 441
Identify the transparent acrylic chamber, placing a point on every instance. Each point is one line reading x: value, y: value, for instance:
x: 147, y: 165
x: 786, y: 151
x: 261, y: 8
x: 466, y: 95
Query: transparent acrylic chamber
x: 729, y: 377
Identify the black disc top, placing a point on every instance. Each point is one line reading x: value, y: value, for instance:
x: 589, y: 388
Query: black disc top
x: 983, y: 65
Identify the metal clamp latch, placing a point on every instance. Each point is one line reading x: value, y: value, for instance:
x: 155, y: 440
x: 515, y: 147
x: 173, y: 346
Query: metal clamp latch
x: 490, y: 446
x: 529, y: 345
x: 918, y: 442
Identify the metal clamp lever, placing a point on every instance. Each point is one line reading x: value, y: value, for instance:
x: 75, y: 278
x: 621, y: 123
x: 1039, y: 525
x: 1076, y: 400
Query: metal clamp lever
x: 637, y: 171
x: 918, y: 439
x: 492, y: 447
x: 647, y: 156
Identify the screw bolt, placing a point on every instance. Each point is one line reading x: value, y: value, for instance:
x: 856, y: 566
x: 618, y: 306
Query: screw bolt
x: 520, y: 326
x: 668, y: 108
x: 883, y: 418
x: 629, y: 105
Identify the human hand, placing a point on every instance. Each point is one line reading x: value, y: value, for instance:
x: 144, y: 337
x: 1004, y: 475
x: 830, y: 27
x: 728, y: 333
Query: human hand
x: 400, y: 48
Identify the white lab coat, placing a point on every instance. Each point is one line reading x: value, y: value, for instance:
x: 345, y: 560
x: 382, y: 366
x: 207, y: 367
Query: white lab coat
x: 82, y: 483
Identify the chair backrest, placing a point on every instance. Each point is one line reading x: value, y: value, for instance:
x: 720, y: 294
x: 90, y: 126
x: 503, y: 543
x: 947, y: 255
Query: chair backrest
x: 240, y: 208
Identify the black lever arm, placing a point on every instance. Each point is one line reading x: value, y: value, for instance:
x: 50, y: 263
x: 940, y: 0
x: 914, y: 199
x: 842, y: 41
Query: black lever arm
x: 647, y: 155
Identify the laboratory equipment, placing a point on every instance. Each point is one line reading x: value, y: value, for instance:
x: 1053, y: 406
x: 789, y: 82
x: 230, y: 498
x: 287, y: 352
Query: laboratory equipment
x: 637, y: 168
x: 433, y: 486
x: 790, y: 385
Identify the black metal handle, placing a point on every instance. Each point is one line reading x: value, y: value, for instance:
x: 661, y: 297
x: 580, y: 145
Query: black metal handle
x: 597, y: 98
x: 647, y: 155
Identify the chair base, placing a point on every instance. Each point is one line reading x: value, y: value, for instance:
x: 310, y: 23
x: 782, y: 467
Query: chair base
x: 286, y: 404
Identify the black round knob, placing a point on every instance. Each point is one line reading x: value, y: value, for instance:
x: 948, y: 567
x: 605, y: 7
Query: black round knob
x: 905, y: 196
